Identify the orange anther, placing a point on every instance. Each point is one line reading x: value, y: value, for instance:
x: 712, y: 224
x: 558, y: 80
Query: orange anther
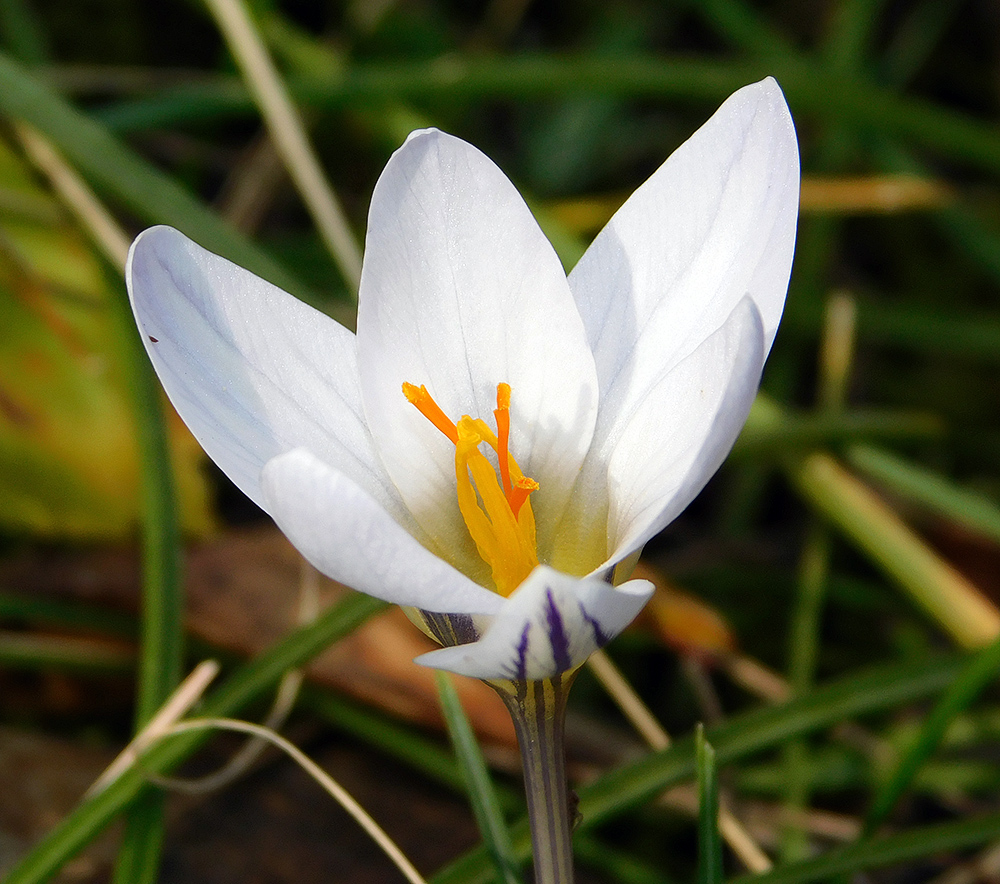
x: 426, y: 405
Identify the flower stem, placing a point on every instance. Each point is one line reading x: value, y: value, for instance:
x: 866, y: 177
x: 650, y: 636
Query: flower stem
x: 538, y: 709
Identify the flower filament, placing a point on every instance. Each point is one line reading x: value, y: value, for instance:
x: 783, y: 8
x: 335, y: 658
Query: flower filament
x: 496, y: 509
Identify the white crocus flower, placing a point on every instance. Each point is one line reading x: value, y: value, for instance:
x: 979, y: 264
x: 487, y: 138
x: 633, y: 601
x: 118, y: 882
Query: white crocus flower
x: 496, y: 438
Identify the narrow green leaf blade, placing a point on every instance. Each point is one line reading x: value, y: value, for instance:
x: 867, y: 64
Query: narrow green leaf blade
x: 116, y: 171
x: 161, y: 656
x: 709, y: 843
x: 90, y: 817
x: 879, y: 852
x: 928, y: 489
x: 483, y: 797
x: 980, y: 672
x: 742, y: 735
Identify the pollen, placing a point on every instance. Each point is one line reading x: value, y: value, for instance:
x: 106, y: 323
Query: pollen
x: 494, y: 502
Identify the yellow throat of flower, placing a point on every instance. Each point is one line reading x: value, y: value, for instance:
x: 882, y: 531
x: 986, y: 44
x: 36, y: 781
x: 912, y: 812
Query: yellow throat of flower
x: 496, y: 509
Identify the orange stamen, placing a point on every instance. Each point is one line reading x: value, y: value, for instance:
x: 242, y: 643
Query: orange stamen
x: 502, y: 415
x: 426, y: 405
x: 518, y: 496
x: 494, y: 502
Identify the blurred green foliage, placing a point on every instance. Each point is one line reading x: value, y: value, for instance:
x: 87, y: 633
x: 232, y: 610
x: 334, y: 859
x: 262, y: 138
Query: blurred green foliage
x: 896, y: 105
x: 68, y: 461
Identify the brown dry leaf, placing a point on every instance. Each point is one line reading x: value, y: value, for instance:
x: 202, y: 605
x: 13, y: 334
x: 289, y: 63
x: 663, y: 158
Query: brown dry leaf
x: 683, y: 622
x: 243, y: 596
x: 820, y: 194
x: 872, y: 194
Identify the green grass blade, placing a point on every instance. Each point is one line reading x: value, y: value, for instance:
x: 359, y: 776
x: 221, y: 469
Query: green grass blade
x: 803, y: 653
x: 876, y: 853
x: 709, y: 843
x: 138, y: 860
x: 161, y: 655
x: 978, y: 674
x: 772, y: 432
x: 849, y: 35
x: 629, y: 786
x: 930, y: 490
x: 915, y: 36
x: 162, y: 606
x: 117, y: 172
x: 212, y: 98
x: 955, y: 604
x: 31, y: 651
x: 479, y: 786
x: 253, y: 680
x: 71, y: 615
x: 811, y: 90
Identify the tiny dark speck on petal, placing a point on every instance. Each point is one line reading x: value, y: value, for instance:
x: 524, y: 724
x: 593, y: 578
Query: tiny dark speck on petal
x: 154, y: 340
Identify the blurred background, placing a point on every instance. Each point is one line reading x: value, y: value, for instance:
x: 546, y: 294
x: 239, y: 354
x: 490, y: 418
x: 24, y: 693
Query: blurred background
x: 856, y: 524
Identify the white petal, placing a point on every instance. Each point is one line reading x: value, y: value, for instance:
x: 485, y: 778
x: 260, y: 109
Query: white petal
x: 714, y: 224
x: 345, y: 534
x: 251, y: 370
x: 461, y: 291
x: 550, y: 624
x: 678, y: 435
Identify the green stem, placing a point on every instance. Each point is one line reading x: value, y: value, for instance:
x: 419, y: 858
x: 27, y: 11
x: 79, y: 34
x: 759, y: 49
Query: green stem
x: 538, y: 710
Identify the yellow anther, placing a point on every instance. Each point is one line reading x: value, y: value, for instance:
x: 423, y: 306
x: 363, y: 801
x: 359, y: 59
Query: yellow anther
x: 478, y: 523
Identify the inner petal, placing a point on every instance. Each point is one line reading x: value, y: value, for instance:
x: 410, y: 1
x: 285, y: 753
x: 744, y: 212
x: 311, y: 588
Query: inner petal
x: 461, y: 289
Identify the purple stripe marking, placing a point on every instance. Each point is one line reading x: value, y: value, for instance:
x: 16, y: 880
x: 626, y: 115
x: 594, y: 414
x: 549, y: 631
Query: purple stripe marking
x: 599, y: 636
x: 557, y: 634
x: 522, y: 653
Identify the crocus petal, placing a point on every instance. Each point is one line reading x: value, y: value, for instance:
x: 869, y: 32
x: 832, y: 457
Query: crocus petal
x: 551, y: 624
x: 714, y: 224
x: 678, y: 435
x: 461, y: 291
x: 251, y: 370
x: 346, y: 535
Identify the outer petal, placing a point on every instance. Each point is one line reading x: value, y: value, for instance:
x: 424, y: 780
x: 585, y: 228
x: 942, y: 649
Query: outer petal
x: 677, y: 436
x: 251, y: 370
x: 714, y: 223
x: 344, y: 533
x: 551, y: 624
x: 461, y: 291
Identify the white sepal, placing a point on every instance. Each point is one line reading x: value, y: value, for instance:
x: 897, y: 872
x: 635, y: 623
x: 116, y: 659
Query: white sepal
x: 346, y: 535
x: 550, y: 624
x: 251, y: 370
